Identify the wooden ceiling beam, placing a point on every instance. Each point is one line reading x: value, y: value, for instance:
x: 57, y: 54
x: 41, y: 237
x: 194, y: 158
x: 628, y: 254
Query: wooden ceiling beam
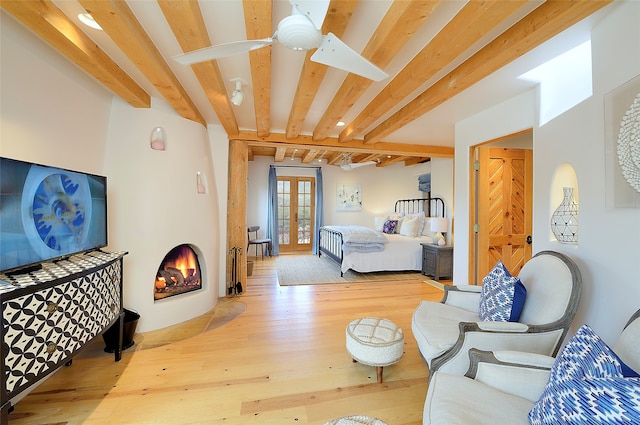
x: 310, y: 156
x: 55, y: 28
x: 335, y: 158
x: 415, y: 160
x: 473, y: 21
x: 257, y: 19
x: 396, y: 28
x: 546, y: 21
x: 312, y: 74
x: 332, y: 143
x: 187, y: 24
x: 371, y: 157
x: 393, y: 160
x: 119, y: 22
x: 280, y: 153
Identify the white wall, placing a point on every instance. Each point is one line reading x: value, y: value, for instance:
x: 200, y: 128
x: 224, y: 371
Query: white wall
x: 381, y: 187
x: 609, y: 259
x: 154, y: 207
x: 53, y: 114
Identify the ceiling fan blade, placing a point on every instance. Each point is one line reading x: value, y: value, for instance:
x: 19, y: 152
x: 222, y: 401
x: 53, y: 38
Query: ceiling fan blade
x: 315, y: 10
x: 362, y: 164
x: 221, y: 51
x: 352, y: 165
x: 334, y: 52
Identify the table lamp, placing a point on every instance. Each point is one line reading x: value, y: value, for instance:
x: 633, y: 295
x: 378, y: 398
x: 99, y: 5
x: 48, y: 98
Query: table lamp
x: 439, y: 225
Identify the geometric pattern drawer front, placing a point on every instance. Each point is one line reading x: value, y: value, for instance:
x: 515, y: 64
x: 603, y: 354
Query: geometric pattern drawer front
x: 45, y: 327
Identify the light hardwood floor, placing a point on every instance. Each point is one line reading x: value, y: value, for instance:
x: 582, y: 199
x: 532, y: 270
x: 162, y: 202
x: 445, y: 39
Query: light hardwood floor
x: 275, y: 355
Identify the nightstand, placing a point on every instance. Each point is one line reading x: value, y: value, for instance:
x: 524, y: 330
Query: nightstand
x: 437, y: 261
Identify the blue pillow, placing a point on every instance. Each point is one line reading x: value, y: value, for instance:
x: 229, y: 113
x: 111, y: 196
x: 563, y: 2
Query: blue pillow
x: 587, y: 386
x: 389, y: 226
x: 585, y: 401
x: 502, y: 296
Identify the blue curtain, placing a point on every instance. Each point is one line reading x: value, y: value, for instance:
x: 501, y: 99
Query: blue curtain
x: 319, y: 216
x: 272, y: 214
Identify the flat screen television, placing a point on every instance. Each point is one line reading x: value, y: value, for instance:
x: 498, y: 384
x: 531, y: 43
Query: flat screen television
x: 48, y: 213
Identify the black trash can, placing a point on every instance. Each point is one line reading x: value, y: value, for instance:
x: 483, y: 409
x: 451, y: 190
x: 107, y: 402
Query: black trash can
x: 128, y: 331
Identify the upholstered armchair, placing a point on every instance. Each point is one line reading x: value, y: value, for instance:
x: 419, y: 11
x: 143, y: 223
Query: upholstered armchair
x: 507, y: 387
x: 446, y: 330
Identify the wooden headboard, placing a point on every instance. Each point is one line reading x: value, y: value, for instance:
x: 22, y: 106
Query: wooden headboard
x: 432, y: 207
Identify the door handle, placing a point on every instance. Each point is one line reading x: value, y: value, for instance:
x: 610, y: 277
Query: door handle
x: 529, y: 240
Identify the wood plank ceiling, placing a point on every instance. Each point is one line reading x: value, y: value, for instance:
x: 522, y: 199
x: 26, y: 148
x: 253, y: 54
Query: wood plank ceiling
x: 401, y: 99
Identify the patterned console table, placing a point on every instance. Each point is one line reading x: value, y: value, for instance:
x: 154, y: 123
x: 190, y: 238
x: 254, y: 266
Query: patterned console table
x: 48, y: 315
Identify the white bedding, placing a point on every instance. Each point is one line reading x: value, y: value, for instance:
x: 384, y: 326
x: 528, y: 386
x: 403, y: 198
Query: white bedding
x: 360, y: 238
x: 399, y: 253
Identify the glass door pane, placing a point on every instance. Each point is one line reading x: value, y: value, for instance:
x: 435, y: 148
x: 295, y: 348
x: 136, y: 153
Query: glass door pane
x: 295, y: 213
x: 304, y: 212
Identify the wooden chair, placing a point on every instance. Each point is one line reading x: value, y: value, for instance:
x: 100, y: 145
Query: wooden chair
x: 252, y: 238
x: 446, y: 331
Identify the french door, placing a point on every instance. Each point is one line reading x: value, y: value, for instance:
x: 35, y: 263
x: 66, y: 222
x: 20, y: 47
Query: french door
x: 296, y: 204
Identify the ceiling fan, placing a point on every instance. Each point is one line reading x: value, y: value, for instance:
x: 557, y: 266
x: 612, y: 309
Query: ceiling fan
x: 298, y: 31
x: 347, y: 165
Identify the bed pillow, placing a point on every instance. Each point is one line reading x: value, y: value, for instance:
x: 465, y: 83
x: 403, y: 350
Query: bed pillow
x: 421, y: 220
x: 410, y: 227
x: 400, y: 220
x: 587, y: 384
x: 378, y: 222
x: 426, y: 231
x: 502, y: 296
x: 389, y: 226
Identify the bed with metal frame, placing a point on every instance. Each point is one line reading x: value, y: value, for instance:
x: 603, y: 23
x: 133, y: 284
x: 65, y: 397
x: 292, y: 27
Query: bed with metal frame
x: 331, y: 240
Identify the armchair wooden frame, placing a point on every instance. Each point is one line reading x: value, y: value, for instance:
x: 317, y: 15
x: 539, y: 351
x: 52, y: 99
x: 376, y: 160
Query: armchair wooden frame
x: 547, y: 338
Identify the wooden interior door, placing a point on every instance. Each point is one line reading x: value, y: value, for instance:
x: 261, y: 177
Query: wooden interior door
x: 504, y: 209
x: 296, y: 205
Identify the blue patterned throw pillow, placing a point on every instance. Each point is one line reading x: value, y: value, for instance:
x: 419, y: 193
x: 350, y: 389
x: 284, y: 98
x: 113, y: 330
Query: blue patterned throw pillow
x: 389, y: 226
x: 502, y: 297
x: 587, y: 386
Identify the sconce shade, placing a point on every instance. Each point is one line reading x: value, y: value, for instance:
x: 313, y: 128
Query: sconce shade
x: 199, y: 185
x: 158, y: 139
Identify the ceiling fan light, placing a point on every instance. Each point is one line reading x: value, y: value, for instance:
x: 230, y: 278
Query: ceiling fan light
x: 298, y: 33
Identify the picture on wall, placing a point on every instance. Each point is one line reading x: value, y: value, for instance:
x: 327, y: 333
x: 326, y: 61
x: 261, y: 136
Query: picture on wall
x: 622, y: 145
x: 348, y: 197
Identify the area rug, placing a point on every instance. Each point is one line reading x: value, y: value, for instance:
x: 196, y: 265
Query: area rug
x: 314, y: 270
x: 356, y: 420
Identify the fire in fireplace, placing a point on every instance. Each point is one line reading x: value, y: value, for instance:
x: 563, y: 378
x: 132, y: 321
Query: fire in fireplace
x: 178, y: 273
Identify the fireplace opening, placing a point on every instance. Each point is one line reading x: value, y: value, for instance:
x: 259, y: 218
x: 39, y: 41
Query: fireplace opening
x: 178, y: 273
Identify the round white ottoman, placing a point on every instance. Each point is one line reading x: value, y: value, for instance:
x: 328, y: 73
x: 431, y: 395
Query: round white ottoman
x: 356, y: 420
x: 375, y: 342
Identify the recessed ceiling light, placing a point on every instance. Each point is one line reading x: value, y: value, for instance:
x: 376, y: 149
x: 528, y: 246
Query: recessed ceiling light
x: 340, y: 124
x: 88, y: 20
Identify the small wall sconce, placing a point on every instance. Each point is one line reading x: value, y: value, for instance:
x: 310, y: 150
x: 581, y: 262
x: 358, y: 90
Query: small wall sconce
x: 158, y: 139
x: 439, y: 225
x: 199, y: 185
